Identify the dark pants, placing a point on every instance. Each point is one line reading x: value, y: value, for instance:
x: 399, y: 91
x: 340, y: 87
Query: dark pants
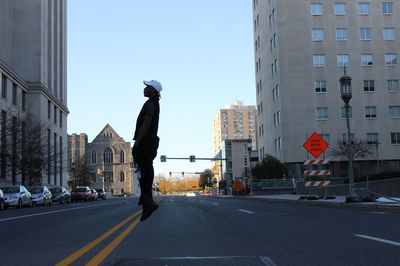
x: 143, y: 156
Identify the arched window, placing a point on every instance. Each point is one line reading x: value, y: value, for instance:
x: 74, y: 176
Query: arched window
x: 121, y: 156
x: 108, y: 156
x: 122, y: 177
x: 94, y: 157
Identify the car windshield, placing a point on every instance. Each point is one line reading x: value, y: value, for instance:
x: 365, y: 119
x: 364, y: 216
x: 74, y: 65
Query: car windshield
x: 10, y: 190
x: 80, y: 189
x: 55, y: 190
x: 100, y: 190
x: 35, y: 190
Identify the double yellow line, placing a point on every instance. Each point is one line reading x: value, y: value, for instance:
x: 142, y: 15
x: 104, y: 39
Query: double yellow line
x: 96, y: 260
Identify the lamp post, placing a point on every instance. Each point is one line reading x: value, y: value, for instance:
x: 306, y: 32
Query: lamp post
x: 249, y: 166
x: 346, y: 94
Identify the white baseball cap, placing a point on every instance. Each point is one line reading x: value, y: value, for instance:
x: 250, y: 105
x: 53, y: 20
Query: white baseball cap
x: 154, y: 83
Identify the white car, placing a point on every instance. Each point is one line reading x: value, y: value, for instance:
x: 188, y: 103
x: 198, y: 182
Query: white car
x: 190, y: 194
x: 17, y: 196
x: 1, y: 200
x: 41, y: 195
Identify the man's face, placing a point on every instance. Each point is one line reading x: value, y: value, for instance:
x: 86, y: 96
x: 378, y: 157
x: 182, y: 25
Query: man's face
x: 148, y: 91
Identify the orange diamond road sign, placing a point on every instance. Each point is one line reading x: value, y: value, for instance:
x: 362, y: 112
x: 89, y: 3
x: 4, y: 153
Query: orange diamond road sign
x: 315, y: 145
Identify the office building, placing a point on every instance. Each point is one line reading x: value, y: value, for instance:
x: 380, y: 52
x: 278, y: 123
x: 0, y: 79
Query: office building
x: 301, y: 49
x: 33, y: 91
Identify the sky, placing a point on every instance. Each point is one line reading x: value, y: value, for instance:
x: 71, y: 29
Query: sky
x: 201, y: 51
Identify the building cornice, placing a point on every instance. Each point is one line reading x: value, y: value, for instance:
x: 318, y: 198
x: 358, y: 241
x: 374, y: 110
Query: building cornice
x: 14, y: 76
x: 40, y: 88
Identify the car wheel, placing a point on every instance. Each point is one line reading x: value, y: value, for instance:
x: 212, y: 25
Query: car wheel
x: 1, y: 205
x: 19, y: 203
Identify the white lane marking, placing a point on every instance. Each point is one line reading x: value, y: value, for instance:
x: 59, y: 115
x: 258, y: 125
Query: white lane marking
x: 241, y: 210
x: 214, y: 203
x: 44, y: 213
x: 379, y: 212
x: 379, y: 239
x: 265, y: 260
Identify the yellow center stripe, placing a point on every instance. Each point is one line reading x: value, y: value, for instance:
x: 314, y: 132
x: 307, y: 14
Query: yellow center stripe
x: 77, y: 254
x: 110, y: 247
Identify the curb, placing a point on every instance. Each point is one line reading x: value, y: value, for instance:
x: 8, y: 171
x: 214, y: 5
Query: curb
x: 339, y: 205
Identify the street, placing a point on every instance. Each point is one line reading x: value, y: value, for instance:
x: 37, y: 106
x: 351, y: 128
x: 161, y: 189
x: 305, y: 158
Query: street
x: 200, y: 230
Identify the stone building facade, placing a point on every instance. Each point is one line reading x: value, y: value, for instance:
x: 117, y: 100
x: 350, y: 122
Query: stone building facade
x: 109, y: 155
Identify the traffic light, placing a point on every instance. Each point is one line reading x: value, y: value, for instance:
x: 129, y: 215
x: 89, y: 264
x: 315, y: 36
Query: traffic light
x: 163, y: 158
x: 170, y: 174
x: 183, y: 174
x: 192, y: 158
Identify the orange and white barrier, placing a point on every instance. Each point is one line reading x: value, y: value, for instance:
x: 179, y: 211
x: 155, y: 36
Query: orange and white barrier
x: 317, y: 172
x: 316, y: 162
x: 318, y: 183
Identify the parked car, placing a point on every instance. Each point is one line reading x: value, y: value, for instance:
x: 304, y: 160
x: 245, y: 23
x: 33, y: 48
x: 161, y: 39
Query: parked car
x: 101, y: 193
x: 60, y: 195
x: 40, y: 195
x: 95, y: 195
x: 16, y: 196
x: 81, y: 194
x: 1, y: 200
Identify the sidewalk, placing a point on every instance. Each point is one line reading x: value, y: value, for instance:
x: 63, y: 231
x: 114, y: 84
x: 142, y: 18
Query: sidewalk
x: 381, y: 204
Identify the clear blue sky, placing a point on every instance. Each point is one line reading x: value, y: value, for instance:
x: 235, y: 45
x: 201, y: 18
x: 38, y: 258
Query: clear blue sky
x: 200, y: 50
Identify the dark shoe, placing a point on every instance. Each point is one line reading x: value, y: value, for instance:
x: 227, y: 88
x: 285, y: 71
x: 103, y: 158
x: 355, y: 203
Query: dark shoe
x: 148, y: 209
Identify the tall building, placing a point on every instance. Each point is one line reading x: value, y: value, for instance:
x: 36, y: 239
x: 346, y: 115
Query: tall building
x: 301, y: 48
x: 234, y: 122
x: 110, y: 159
x: 34, y: 85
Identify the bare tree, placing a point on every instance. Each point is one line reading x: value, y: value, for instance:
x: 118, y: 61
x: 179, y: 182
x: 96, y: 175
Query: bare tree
x: 26, y: 149
x: 360, y: 148
x: 82, y: 173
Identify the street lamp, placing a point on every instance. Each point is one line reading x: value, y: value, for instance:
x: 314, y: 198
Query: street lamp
x: 249, y: 165
x: 345, y: 91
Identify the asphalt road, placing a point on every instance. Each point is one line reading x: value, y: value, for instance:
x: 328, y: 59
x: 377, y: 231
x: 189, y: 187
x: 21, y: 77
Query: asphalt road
x: 198, y: 231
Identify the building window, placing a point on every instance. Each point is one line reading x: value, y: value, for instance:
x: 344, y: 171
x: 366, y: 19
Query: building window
x: 325, y: 137
x: 339, y: 9
x: 48, y: 110
x: 61, y: 119
x: 394, y: 111
x: 122, y: 157
x: 322, y: 113
x: 343, y: 112
x: 122, y: 177
x: 369, y: 85
x: 14, y: 94
x: 3, y: 87
x: 3, y: 143
x: 387, y: 8
x: 342, y: 60
x: 316, y: 9
x: 372, y: 138
x: 344, y: 138
x: 108, y: 156
x: 370, y: 112
x: 320, y: 86
x: 389, y: 34
x: 317, y: 34
x: 367, y: 60
x: 94, y: 157
x: 365, y: 34
x: 341, y: 34
x: 319, y: 60
x: 55, y: 114
x: 390, y: 59
x: 363, y: 8
x: 393, y: 85
x: 23, y: 101
x: 108, y: 177
x: 395, y: 137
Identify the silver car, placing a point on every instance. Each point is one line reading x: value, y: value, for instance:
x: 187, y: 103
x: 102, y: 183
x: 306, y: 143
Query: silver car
x: 1, y: 200
x: 41, y: 195
x: 16, y: 196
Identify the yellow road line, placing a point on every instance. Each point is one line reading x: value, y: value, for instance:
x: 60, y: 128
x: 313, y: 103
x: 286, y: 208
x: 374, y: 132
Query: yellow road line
x: 77, y: 254
x: 110, y: 247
